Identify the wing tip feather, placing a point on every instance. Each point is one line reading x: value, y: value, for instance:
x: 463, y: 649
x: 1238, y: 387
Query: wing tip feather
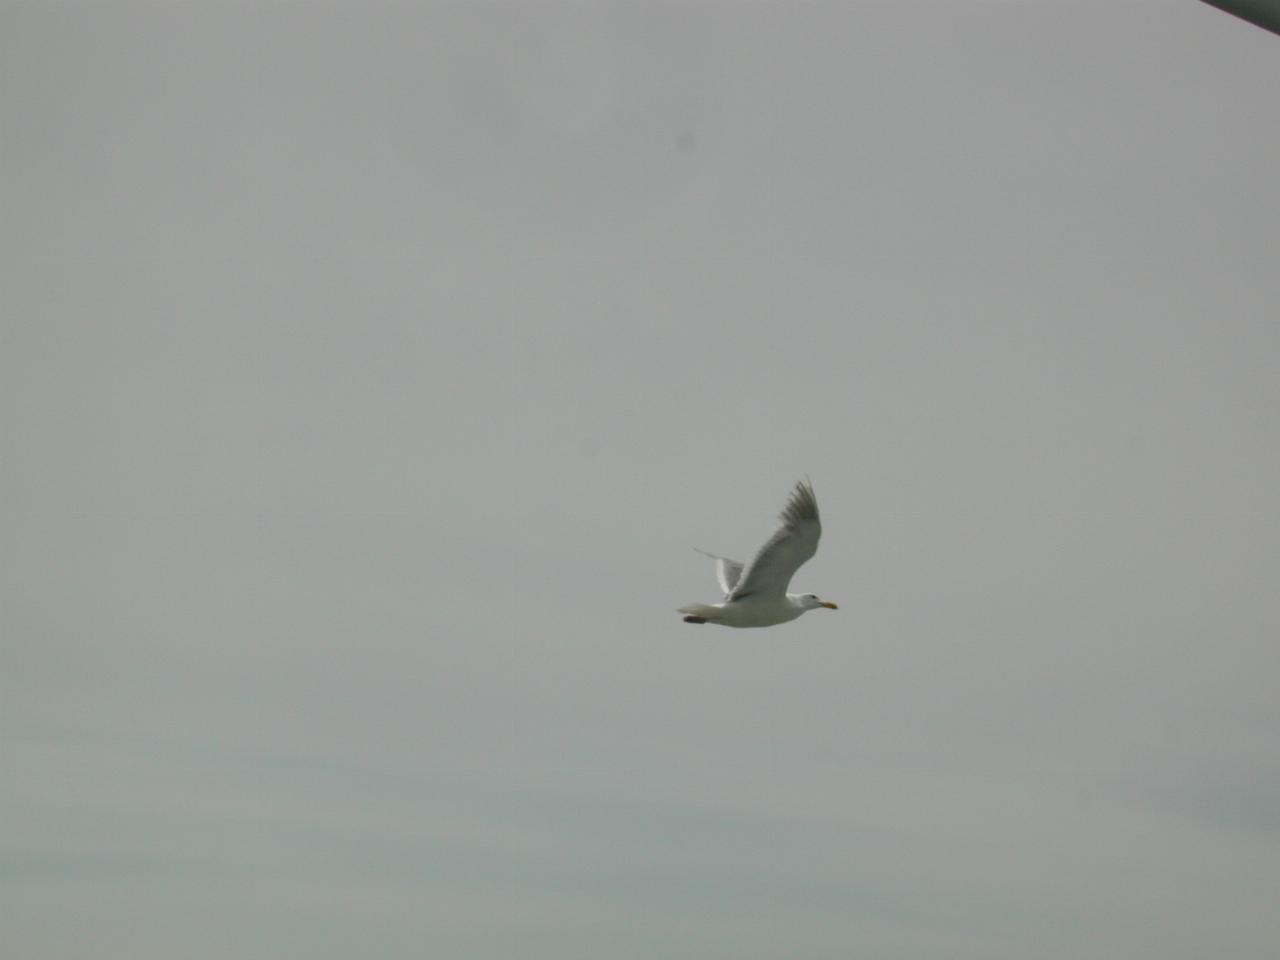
x: 802, y: 505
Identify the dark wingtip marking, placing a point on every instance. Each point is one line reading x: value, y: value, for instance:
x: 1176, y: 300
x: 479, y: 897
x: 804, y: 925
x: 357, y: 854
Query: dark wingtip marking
x: 803, y: 505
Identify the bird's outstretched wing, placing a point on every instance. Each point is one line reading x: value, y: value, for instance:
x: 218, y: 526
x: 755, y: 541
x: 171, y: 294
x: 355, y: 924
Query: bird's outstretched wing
x: 728, y: 572
x: 768, y: 573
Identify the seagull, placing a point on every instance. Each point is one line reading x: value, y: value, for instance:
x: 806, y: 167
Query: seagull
x: 755, y: 593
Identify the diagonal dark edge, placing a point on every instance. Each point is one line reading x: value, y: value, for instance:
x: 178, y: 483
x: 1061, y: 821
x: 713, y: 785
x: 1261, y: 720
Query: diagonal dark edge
x: 1261, y: 13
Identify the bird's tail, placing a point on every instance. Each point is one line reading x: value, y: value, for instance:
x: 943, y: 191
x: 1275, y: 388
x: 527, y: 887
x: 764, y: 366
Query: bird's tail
x: 704, y: 610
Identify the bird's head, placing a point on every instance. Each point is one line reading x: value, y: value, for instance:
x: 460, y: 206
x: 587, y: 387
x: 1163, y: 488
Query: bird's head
x: 810, y: 601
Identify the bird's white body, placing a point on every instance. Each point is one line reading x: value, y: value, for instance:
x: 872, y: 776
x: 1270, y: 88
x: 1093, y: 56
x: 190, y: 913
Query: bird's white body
x: 752, y: 611
x: 755, y: 592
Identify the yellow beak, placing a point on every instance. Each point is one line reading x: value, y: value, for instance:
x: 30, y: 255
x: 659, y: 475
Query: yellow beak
x: 830, y: 606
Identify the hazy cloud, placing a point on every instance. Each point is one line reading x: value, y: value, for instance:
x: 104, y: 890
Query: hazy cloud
x: 369, y: 372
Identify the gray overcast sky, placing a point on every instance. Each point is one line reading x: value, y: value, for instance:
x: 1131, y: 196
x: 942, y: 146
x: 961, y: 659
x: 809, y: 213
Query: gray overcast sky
x: 370, y: 370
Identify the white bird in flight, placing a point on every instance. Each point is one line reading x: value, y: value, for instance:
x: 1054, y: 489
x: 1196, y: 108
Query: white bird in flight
x: 755, y: 593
